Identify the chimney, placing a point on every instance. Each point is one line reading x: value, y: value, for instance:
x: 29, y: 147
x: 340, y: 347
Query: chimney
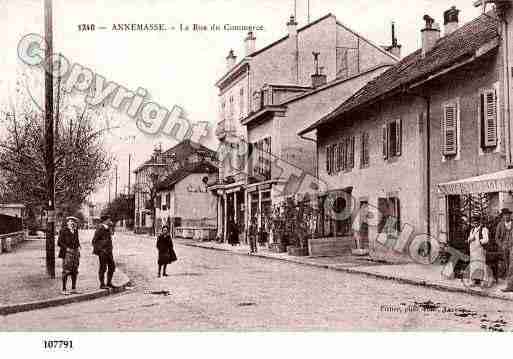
x: 451, y: 22
x: 292, y: 26
x: 318, y: 79
x: 230, y: 60
x: 430, y: 34
x: 395, y: 48
x: 250, y: 42
x: 294, y: 56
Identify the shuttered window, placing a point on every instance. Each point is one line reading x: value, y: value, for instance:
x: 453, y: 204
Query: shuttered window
x: 329, y: 157
x: 488, y: 119
x: 392, y: 134
x: 350, y: 152
x: 450, y: 130
x: 385, y: 141
x: 364, y: 156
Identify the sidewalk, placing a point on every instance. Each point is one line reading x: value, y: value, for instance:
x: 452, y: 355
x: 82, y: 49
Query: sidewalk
x: 24, y: 284
x: 415, y: 274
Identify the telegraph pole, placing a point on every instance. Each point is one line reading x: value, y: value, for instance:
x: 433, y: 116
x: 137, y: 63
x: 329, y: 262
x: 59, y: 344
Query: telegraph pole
x: 129, y: 172
x: 49, y: 154
x: 116, y: 187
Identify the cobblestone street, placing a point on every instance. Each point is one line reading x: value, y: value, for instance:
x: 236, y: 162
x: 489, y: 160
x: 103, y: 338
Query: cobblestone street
x: 212, y: 290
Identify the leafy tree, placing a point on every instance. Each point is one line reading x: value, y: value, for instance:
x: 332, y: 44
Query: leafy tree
x: 122, y: 207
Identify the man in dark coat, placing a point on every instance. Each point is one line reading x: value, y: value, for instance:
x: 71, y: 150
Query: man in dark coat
x: 102, y: 247
x: 504, y: 237
x: 69, y: 252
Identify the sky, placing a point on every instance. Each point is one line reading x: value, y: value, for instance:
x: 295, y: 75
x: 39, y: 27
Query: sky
x: 180, y: 68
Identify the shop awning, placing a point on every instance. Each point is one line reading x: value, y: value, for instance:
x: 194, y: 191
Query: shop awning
x: 491, y: 182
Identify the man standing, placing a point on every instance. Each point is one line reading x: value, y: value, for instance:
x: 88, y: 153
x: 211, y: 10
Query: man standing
x: 69, y: 252
x: 504, y: 235
x: 102, y: 247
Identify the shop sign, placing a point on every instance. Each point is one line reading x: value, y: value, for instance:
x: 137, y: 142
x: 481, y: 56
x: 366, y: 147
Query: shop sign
x: 459, y: 188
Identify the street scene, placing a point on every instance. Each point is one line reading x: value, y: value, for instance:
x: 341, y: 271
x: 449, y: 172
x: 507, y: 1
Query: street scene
x: 287, y: 168
x: 217, y: 290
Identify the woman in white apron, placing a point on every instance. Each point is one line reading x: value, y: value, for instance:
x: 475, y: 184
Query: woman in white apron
x: 478, y: 238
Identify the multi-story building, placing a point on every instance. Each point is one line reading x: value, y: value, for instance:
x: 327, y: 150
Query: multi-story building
x: 161, y: 165
x: 431, y: 130
x: 272, y: 93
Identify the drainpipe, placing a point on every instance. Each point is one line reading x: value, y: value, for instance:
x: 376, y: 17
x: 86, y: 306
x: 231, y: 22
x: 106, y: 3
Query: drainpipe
x: 507, y: 93
x: 428, y: 162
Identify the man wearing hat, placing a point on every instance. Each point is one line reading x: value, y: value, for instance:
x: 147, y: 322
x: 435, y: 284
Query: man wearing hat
x: 504, y: 237
x: 102, y: 247
x: 69, y: 251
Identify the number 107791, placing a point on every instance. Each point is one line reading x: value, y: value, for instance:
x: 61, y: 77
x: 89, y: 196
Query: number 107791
x: 58, y: 344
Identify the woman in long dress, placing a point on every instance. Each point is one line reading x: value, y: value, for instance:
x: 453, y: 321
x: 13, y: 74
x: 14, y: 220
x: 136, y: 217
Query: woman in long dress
x: 166, y: 251
x: 478, y: 238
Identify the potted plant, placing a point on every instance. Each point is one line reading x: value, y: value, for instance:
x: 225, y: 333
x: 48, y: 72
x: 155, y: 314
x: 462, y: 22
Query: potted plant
x: 277, y: 222
x: 303, y: 225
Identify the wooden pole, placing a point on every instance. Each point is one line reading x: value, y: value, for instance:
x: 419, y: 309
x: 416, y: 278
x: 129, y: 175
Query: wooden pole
x: 49, y: 150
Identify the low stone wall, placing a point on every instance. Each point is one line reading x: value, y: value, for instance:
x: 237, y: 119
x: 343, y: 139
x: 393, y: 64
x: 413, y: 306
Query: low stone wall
x: 196, y: 233
x: 334, y: 246
x: 8, y: 242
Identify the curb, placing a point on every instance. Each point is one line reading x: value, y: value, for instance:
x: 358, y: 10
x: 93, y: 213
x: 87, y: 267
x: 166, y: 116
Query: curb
x: 54, y: 302
x: 440, y: 287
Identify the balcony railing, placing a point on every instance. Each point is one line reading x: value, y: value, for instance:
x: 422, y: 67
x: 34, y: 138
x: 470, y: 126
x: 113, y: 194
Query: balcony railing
x: 224, y: 128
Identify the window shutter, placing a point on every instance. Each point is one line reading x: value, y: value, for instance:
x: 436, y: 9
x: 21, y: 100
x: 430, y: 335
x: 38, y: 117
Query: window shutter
x: 399, y: 137
x: 397, y: 213
x: 328, y: 169
x: 385, y: 141
x: 450, y: 131
x: 351, y: 152
x: 489, y: 123
x: 344, y: 154
x: 337, y: 158
x: 362, y: 150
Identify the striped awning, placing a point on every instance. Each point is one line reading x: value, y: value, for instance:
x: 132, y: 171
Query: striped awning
x: 501, y: 181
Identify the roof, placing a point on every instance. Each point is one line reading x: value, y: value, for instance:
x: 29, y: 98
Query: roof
x: 181, y: 151
x: 181, y: 173
x: 258, y: 52
x: 458, y: 46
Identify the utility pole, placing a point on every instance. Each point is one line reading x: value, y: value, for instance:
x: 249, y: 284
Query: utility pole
x: 49, y: 154
x: 116, y: 186
x: 129, y: 171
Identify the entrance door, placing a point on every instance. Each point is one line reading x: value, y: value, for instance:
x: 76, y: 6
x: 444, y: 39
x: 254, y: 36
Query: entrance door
x: 458, y: 224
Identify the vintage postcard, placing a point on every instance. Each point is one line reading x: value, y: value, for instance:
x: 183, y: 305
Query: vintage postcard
x: 270, y: 166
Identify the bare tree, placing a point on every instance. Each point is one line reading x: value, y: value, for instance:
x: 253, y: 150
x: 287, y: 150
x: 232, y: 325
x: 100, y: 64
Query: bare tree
x: 81, y: 161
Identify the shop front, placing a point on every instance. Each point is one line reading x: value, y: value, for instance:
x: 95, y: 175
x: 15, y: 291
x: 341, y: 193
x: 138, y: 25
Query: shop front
x: 260, y: 207
x: 481, y: 196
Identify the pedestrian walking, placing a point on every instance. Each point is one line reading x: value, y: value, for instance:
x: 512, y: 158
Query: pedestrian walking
x: 504, y: 237
x: 253, y: 234
x: 69, y: 252
x: 478, y: 238
x: 166, y: 251
x: 102, y: 247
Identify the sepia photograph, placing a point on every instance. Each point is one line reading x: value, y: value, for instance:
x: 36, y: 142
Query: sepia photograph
x: 198, y: 167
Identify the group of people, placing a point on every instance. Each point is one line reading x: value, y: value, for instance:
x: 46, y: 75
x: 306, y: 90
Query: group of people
x: 489, y: 247
x: 69, y: 252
